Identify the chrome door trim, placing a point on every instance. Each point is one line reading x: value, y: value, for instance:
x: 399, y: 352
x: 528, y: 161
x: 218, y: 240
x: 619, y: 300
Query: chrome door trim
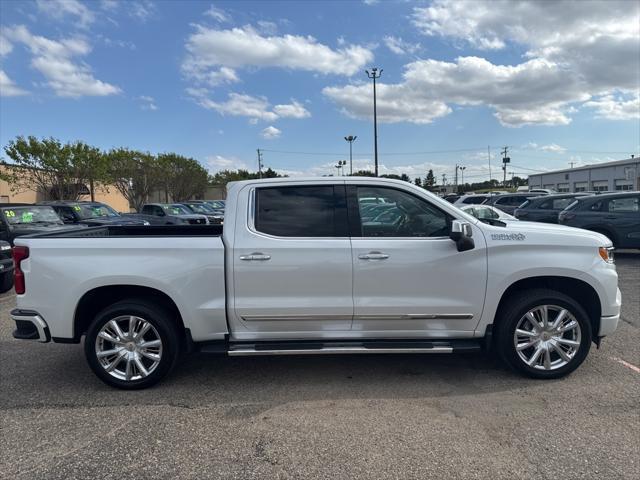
x: 417, y: 316
x: 275, y: 318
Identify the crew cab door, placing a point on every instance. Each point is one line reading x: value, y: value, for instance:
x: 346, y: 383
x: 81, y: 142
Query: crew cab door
x: 291, y: 261
x: 408, y: 276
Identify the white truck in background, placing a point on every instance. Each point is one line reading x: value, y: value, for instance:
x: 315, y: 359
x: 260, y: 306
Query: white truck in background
x: 319, y: 266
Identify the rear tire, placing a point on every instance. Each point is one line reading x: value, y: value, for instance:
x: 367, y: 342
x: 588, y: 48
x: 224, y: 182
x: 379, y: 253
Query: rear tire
x: 543, y: 348
x: 132, y: 344
x: 6, y: 282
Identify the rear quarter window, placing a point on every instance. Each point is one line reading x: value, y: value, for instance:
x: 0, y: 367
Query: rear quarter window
x: 297, y: 211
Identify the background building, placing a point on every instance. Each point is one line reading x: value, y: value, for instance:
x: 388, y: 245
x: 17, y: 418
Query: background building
x: 619, y: 175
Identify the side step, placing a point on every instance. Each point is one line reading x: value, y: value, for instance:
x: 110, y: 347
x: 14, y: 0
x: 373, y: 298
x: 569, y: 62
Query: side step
x: 353, y: 347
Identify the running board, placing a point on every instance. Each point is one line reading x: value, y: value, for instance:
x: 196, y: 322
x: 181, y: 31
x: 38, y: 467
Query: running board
x: 353, y: 347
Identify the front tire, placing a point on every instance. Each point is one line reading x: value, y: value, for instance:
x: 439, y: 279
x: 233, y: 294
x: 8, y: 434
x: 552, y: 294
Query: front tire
x: 543, y: 334
x: 132, y: 344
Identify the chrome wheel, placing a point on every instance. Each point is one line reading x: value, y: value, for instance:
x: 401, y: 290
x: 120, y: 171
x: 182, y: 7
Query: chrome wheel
x: 128, y: 348
x: 547, y: 337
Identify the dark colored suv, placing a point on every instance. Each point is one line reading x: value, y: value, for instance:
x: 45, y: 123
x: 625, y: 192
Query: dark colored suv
x: 546, y: 208
x: 508, y: 202
x: 93, y: 214
x: 616, y: 215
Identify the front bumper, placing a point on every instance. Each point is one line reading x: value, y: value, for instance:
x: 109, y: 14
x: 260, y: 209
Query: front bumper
x: 30, y: 326
x: 609, y: 323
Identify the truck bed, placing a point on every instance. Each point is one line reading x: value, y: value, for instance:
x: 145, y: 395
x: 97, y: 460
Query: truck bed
x: 136, y: 231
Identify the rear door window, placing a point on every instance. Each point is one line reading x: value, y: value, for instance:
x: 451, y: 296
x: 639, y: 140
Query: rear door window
x: 628, y: 204
x: 301, y: 211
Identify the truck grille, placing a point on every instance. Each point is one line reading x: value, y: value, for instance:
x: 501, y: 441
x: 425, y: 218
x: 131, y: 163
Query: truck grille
x: 197, y: 221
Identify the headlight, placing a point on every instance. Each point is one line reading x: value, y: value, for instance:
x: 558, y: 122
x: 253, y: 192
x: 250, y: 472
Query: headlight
x: 146, y: 223
x: 606, y: 253
x: 5, y: 247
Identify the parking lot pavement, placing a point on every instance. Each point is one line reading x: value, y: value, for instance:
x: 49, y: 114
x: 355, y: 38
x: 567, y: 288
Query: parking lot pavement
x: 414, y: 416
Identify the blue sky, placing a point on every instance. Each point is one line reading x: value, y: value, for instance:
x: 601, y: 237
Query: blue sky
x: 217, y: 80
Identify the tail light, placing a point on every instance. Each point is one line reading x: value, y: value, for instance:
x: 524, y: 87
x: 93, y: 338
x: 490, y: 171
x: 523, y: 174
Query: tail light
x: 19, y: 254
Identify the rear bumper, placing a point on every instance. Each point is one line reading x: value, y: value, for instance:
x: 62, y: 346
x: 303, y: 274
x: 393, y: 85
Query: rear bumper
x: 30, y: 326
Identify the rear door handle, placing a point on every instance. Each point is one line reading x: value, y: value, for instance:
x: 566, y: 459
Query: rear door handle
x: 373, y: 256
x: 255, y: 256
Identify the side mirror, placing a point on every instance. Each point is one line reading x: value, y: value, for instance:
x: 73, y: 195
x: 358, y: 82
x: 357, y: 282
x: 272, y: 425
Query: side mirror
x: 461, y: 233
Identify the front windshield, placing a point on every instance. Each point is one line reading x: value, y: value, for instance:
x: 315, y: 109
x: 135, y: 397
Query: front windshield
x: 176, y: 209
x: 217, y: 204
x: 30, y: 215
x: 95, y: 211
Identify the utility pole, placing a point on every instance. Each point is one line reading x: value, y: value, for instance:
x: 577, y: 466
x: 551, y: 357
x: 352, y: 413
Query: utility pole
x: 455, y: 181
x: 505, y: 160
x: 572, y: 164
x: 259, y: 163
x: 489, y: 156
x: 351, y: 139
x: 374, y: 75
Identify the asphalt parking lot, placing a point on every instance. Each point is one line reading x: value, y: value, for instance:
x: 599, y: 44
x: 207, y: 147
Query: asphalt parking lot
x: 394, y: 416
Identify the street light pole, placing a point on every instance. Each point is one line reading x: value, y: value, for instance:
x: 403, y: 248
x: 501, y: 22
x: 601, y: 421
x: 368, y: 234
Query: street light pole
x: 462, y: 175
x: 374, y: 75
x: 351, y: 139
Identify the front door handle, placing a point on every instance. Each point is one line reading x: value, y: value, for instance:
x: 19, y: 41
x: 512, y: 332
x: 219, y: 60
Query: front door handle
x: 373, y: 256
x: 255, y: 256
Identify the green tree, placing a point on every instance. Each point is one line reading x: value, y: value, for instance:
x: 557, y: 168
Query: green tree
x: 363, y: 173
x: 225, y: 176
x: 181, y: 177
x: 430, y: 180
x: 135, y: 174
x: 417, y: 181
x: 59, y: 171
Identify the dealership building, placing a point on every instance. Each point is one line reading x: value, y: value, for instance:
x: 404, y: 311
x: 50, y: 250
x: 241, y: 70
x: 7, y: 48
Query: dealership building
x: 619, y: 175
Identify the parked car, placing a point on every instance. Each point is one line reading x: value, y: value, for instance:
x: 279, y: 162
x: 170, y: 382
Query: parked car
x: 472, y: 199
x: 203, y: 208
x: 18, y: 219
x: 616, y: 215
x: 296, y: 272
x: 487, y: 213
x: 168, y: 214
x: 545, y: 208
x: 510, y: 201
x: 91, y: 213
x: 6, y: 267
x: 548, y: 191
x: 451, y: 198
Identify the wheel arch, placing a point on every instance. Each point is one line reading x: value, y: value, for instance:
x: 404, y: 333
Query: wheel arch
x: 96, y: 299
x: 577, y: 289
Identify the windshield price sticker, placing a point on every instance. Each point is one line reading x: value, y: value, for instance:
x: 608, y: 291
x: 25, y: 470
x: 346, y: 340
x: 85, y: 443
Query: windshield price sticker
x: 76, y: 208
x: 9, y: 213
x: 27, y: 217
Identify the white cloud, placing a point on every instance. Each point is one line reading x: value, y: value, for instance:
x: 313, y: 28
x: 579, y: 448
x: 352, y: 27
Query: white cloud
x: 552, y: 147
x: 270, y: 133
x: 400, y: 47
x: 213, y: 78
x: 292, y: 110
x: 210, y: 48
x: 141, y: 9
x: 256, y: 108
x: 53, y: 59
x: 266, y: 27
x: 219, y: 162
x: 109, y: 5
x: 8, y: 88
x: 148, y: 103
x: 5, y: 46
x: 60, y: 9
x: 218, y: 14
x: 573, y: 54
x: 616, y: 108
x: 370, y: 2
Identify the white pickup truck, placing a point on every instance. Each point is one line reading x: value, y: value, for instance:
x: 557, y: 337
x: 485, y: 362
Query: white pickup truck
x: 319, y: 266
